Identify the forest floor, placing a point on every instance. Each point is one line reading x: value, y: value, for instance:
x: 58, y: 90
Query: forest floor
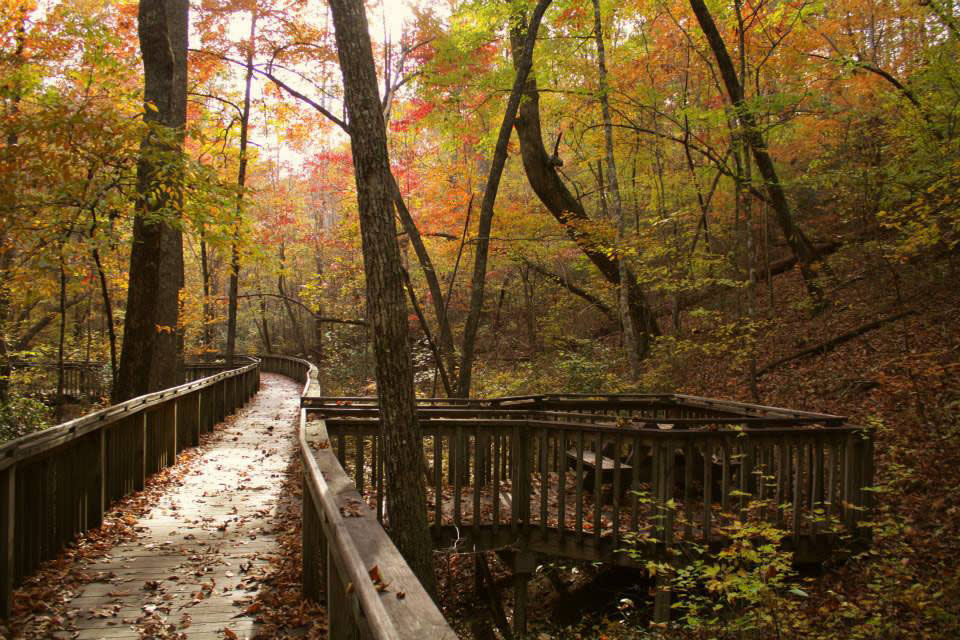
x: 210, y: 549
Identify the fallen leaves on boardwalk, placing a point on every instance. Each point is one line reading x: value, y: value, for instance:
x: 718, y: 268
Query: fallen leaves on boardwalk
x: 40, y: 605
x: 209, y: 549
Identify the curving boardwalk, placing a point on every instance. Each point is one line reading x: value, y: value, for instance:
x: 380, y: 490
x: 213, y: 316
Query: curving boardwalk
x: 192, y: 572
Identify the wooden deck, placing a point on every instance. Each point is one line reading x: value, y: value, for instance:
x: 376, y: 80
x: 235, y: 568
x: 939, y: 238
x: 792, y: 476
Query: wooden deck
x: 194, y: 568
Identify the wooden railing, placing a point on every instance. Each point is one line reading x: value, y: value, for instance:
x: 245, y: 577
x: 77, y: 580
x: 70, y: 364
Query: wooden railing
x: 197, y: 370
x: 586, y: 477
x: 343, y: 543
x: 59, y: 482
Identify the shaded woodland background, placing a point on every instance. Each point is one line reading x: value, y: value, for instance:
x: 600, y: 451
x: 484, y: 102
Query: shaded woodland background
x: 857, y: 104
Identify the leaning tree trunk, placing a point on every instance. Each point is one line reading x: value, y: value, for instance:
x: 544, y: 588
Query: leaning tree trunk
x: 152, y: 353
x: 523, y: 63
x: 545, y: 180
x: 750, y: 130
x: 386, y: 307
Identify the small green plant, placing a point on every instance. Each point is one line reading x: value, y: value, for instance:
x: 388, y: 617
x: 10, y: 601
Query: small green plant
x: 747, y: 589
x: 21, y: 416
x: 749, y: 586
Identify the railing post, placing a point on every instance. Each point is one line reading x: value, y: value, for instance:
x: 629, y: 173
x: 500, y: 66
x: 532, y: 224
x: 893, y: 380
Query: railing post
x: 174, y: 420
x: 198, y: 423
x: 97, y: 487
x: 866, y: 480
x: 8, y: 506
x: 340, y: 623
x: 140, y: 480
x: 309, y: 536
x: 849, y: 482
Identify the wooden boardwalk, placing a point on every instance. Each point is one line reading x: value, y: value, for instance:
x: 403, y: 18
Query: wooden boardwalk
x: 193, y: 571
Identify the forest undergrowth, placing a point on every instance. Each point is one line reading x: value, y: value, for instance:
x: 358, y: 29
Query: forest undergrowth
x: 900, y: 377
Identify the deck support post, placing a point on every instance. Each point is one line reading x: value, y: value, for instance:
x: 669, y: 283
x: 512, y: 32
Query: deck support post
x: 524, y: 564
x: 8, y: 506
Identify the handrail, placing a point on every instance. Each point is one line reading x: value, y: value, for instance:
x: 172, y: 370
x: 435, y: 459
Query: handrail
x: 58, y: 483
x: 610, y: 401
x: 347, y: 549
x: 638, y: 423
x: 35, y: 443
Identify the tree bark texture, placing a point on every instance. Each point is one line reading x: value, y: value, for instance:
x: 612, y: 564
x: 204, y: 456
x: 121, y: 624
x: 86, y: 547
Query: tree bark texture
x: 386, y: 307
x: 152, y: 354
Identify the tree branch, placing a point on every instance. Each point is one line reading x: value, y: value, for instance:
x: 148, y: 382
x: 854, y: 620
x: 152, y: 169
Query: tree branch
x: 316, y: 316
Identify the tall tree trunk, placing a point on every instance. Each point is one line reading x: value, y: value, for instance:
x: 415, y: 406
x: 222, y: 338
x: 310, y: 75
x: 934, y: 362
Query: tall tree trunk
x: 386, y: 307
x: 207, y: 336
x: 744, y: 193
x: 61, y: 337
x: 294, y: 320
x: 152, y: 353
x: 544, y: 179
x: 266, y: 326
x: 316, y: 351
x: 523, y: 63
x: 241, y: 184
x: 634, y: 337
x: 108, y: 313
x: 529, y: 311
x: 798, y: 242
x: 6, y: 260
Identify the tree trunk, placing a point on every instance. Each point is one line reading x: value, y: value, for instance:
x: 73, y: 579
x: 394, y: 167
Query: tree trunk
x: 529, y: 311
x: 743, y: 192
x: 294, y: 320
x: 241, y: 183
x: 207, y: 338
x: 152, y: 354
x: 386, y: 307
x: 523, y: 62
x: 266, y: 327
x: 61, y: 337
x: 316, y: 351
x: 799, y: 244
x: 108, y: 312
x: 634, y: 337
x: 544, y: 179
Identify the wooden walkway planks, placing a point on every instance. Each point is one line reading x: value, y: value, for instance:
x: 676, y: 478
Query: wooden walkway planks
x: 194, y: 568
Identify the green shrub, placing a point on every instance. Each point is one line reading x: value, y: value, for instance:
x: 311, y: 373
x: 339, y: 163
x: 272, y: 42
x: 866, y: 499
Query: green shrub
x: 22, y: 416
